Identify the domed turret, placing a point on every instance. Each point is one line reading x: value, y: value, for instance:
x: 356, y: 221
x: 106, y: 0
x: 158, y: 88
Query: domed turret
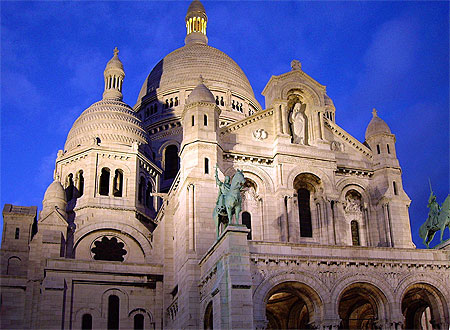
x: 377, y: 126
x: 114, y: 76
x: 54, y: 196
x: 201, y: 93
x: 109, y: 121
x: 196, y: 20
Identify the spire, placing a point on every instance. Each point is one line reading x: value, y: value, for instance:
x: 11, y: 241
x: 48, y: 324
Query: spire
x: 196, y: 20
x: 114, y: 75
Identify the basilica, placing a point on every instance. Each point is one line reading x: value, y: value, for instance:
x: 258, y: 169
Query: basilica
x: 126, y: 238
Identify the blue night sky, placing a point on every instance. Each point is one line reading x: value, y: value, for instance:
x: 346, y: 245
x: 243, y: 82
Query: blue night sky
x: 393, y: 56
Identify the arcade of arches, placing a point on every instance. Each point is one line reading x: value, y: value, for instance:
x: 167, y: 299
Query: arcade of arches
x: 294, y: 305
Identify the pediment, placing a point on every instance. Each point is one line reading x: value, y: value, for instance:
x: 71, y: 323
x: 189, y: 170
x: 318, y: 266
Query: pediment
x: 257, y: 128
x: 54, y: 218
x: 341, y: 141
x: 280, y: 86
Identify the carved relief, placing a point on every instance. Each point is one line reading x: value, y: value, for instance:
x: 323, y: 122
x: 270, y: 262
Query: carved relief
x: 260, y: 134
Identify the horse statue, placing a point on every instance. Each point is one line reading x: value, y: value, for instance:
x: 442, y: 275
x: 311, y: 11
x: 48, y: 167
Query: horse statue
x: 229, y: 200
x: 438, y: 219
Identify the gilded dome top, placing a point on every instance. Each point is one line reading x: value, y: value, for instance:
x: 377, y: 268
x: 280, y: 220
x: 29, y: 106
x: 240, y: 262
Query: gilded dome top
x: 377, y: 126
x: 111, y: 121
x: 182, y: 67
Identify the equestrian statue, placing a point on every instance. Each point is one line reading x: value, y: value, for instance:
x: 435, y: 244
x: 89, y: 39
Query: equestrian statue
x: 438, y: 219
x: 229, y: 200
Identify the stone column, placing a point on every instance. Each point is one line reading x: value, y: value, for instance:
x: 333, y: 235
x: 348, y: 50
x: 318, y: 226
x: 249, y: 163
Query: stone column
x: 284, y: 119
x: 387, y: 224
x: 285, y: 221
x: 191, y: 229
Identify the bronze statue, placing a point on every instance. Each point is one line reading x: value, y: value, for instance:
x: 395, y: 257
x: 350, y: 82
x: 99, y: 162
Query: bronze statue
x: 229, y: 200
x: 438, y: 219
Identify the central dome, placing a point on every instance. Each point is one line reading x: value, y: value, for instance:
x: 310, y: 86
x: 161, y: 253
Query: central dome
x: 183, y: 66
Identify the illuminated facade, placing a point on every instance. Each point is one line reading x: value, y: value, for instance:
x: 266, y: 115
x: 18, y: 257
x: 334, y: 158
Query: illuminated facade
x: 126, y: 239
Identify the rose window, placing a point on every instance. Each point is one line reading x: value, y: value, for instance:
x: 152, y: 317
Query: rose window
x: 108, y: 248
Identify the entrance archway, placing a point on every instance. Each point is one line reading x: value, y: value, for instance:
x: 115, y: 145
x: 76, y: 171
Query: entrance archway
x: 291, y: 305
x: 422, y: 306
x: 360, y: 306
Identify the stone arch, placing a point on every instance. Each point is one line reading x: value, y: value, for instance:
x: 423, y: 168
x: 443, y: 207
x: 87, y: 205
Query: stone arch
x: 148, y: 316
x: 379, y: 291
x: 343, y: 186
x: 95, y: 313
x: 433, y: 291
x: 207, y: 314
x: 310, y: 92
x: 123, y: 296
x: 301, y: 169
x: 14, y: 265
x: 258, y: 175
x: 165, y: 145
x: 141, y: 240
x: 262, y: 293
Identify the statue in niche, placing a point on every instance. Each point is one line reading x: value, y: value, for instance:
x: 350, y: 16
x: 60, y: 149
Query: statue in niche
x: 297, y: 123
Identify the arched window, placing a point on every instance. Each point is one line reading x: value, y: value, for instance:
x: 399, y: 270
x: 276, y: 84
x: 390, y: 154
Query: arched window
x: 86, y: 322
x: 69, y: 187
x: 247, y: 221
x: 148, y: 196
x: 209, y: 318
x: 118, y: 183
x: 206, y: 166
x: 205, y: 120
x: 104, y: 182
x: 80, y: 181
x: 388, y: 149
x: 141, y: 190
x: 172, y: 162
x: 176, y: 101
x: 171, y: 102
x: 217, y: 100
x: 378, y: 149
x: 355, y: 232
x: 304, y: 211
x: 138, y: 322
x: 193, y: 121
x: 16, y: 236
x: 113, y: 312
x: 395, y: 188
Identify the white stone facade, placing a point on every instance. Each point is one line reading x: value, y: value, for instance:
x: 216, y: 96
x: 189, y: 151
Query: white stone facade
x: 126, y: 236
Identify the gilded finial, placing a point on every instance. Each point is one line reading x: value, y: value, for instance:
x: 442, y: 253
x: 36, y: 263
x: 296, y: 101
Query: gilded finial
x: 116, y: 51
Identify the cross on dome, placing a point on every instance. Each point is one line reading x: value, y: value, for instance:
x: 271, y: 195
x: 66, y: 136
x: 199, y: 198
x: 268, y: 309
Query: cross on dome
x: 116, y: 51
x: 374, y: 112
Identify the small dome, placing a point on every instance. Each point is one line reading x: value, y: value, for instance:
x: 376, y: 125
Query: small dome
x: 201, y: 93
x: 54, y: 198
x: 377, y: 126
x: 114, y: 62
x: 111, y: 121
x: 328, y: 100
x: 55, y: 192
x: 196, y: 7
